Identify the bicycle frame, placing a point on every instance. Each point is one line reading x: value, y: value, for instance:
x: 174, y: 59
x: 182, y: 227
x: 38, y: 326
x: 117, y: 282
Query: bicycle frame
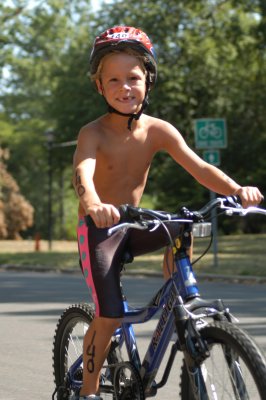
x: 170, y: 303
x: 165, y: 299
x: 173, y: 313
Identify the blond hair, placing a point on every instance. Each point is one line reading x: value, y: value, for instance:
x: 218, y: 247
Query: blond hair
x: 142, y: 58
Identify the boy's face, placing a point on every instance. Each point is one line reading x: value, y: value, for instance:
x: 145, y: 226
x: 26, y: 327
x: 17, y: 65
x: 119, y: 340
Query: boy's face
x: 122, y: 82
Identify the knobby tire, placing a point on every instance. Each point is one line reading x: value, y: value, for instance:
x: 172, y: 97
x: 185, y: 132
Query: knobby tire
x: 246, y: 377
x: 70, y: 329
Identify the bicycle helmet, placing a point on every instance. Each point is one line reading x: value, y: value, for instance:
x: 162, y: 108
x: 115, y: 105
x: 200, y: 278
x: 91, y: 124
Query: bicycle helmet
x: 119, y: 38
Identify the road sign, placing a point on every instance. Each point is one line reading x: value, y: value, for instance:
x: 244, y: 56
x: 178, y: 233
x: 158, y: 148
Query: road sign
x: 210, y: 133
x: 212, y: 157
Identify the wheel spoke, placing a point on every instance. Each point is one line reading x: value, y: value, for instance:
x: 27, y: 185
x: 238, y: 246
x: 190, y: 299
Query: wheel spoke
x: 235, y: 369
x: 68, y: 348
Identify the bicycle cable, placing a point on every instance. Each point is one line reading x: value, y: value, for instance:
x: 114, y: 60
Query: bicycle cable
x: 172, y: 242
x: 205, y: 251
x: 211, y: 240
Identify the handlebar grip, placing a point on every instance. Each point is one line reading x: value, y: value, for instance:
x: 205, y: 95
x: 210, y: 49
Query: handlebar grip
x: 129, y: 213
x: 123, y: 211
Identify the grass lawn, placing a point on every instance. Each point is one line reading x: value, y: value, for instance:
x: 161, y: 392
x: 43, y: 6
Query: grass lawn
x: 237, y: 255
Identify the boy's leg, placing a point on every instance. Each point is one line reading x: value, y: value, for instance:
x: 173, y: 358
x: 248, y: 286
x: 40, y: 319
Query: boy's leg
x: 168, y: 262
x: 101, y: 258
x: 95, y: 350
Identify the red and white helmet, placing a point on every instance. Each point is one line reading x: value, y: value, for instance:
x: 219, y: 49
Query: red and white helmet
x: 120, y: 37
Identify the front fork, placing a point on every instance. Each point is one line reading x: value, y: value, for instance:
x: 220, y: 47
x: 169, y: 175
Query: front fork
x: 194, y: 348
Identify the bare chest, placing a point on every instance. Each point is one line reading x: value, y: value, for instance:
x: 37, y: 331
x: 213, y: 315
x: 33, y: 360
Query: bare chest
x: 132, y: 155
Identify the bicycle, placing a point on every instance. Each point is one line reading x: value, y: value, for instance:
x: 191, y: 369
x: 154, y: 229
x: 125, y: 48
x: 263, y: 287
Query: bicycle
x: 220, y: 360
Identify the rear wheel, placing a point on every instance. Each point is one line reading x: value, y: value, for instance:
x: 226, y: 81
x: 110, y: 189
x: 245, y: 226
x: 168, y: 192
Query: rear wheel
x: 68, y: 349
x: 235, y: 369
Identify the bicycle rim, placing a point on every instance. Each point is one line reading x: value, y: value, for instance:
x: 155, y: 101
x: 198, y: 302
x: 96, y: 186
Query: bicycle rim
x: 236, y: 368
x: 68, y: 348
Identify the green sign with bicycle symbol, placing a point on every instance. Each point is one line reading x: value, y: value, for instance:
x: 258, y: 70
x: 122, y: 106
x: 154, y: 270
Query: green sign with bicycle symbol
x: 210, y: 133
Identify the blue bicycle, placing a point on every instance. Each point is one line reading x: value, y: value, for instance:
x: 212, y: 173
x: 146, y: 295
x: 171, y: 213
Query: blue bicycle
x: 220, y: 360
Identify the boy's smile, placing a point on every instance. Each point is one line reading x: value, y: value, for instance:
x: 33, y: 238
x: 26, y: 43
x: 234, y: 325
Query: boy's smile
x: 123, y: 82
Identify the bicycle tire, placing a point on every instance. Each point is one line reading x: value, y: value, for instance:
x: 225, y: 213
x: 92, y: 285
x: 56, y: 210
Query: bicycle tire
x: 68, y: 346
x: 226, y: 340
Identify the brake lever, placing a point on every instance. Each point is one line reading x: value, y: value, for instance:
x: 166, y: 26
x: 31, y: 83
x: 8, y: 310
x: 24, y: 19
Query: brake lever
x: 244, y: 211
x: 126, y: 225
x: 233, y: 201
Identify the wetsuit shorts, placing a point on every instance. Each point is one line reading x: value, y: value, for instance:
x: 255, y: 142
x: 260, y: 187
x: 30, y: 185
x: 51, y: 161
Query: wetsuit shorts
x: 102, y: 258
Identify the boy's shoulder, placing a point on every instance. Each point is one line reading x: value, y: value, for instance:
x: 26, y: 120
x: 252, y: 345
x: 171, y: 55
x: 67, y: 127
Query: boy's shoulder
x: 158, y: 124
x: 90, y: 130
x: 162, y: 133
x: 90, y: 126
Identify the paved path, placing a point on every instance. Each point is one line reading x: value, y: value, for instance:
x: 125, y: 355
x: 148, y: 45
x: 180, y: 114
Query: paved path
x: 31, y: 303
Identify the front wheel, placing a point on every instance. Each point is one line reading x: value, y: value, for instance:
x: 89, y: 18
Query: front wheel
x: 235, y: 369
x: 68, y: 349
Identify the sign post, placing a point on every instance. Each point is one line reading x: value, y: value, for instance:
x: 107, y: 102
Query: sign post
x: 212, y: 157
x: 211, y: 135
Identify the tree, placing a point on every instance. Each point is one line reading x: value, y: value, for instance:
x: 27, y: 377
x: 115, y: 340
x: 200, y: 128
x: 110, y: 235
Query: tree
x: 211, y: 63
x: 37, y: 44
x: 16, y: 213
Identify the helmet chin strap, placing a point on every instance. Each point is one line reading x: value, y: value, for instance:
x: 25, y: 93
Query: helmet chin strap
x: 130, y: 115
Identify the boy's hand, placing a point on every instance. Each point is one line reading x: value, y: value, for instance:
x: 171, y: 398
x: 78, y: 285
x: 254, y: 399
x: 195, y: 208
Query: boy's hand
x: 104, y: 215
x: 250, y: 196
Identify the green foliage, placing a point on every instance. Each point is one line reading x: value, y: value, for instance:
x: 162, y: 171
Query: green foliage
x: 46, y: 59
x: 211, y: 63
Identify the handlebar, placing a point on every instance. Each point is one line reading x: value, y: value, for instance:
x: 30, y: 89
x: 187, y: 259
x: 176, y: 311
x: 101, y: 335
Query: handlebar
x: 143, y: 218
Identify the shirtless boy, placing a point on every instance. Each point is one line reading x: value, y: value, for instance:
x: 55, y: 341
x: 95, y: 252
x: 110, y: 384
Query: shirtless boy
x: 111, y: 163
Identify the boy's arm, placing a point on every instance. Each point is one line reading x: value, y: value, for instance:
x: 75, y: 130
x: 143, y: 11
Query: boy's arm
x: 206, y: 174
x: 103, y: 215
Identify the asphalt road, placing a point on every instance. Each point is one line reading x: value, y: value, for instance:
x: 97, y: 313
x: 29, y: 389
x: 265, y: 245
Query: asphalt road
x: 31, y: 303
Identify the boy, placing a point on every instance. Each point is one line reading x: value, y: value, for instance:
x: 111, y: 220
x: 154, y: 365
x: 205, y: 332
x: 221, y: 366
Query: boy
x: 111, y: 163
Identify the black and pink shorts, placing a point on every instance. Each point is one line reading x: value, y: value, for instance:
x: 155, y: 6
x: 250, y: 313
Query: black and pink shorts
x: 102, y: 258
